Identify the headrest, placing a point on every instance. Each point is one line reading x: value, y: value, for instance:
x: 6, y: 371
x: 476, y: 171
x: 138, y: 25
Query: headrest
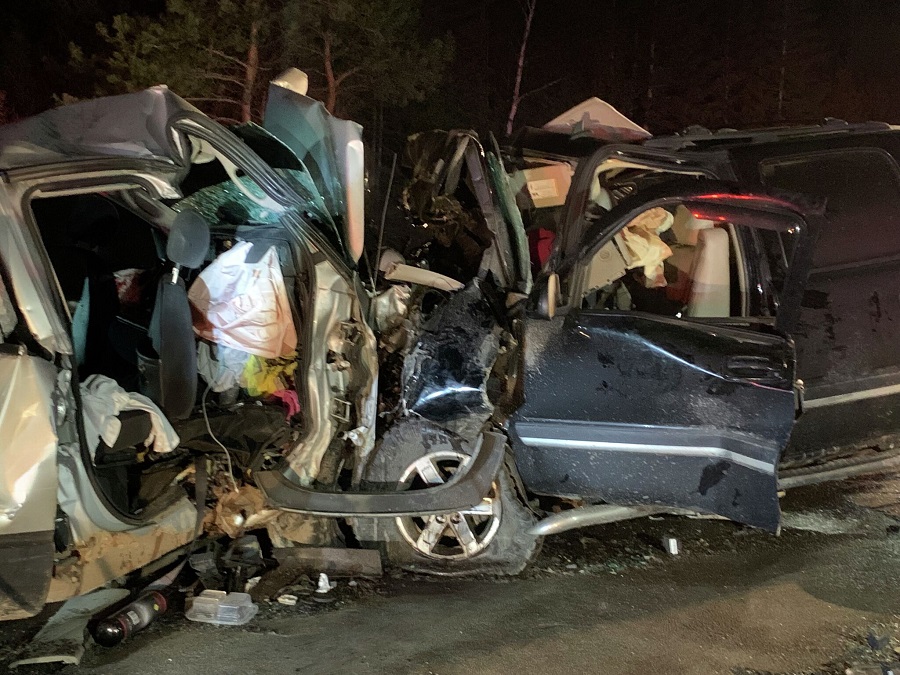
x: 188, y: 239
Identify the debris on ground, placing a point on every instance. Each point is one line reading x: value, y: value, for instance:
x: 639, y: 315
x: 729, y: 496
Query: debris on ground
x: 671, y: 545
x: 242, y: 561
x: 62, y: 638
x: 325, y: 585
x: 819, y: 521
x: 221, y: 608
x: 297, y: 564
x: 336, y: 562
x: 133, y: 617
x: 878, y: 641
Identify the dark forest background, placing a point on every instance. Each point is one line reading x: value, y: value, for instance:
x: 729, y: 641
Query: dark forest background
x: 665, y: 64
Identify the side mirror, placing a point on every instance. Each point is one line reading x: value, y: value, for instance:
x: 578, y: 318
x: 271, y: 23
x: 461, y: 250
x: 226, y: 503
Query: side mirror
x: 188, y: 240
x: 547, y: 297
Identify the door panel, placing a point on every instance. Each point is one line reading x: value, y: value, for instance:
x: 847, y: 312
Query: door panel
x: 632, y: 408
x: 27, y: 481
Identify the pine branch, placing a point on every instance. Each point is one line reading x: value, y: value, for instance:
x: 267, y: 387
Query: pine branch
x: 343, y: 76
x: 212, y: 99
x: 542, y: 87
x: 228, y: 57
x: 222, y: 78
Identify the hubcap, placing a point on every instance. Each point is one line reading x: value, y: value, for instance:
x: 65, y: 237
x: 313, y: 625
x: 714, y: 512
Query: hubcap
x: 448, y: 536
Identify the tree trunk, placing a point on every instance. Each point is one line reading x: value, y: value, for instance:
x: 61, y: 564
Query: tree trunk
x: 651, y: 68
x: 251, y: 72
x: 331, y: 82
x: 729, y: 69
x: 648, y: 107
x: 520, y: 67
x: 784, y: 44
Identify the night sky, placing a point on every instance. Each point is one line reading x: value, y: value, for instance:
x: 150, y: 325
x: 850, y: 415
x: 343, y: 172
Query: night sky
x: 666, y: 64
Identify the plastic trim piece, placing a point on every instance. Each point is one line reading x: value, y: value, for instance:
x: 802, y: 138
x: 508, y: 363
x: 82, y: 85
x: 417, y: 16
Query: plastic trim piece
x: 463, y: 491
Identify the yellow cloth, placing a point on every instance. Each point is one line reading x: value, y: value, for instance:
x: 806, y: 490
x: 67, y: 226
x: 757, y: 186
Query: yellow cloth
x: 263, y: 377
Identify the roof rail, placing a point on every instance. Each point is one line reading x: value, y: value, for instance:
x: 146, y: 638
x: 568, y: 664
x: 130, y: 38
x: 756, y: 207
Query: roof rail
x: 699, y: 137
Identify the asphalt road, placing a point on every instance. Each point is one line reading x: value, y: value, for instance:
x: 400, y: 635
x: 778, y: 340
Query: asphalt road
x: 606, y: 600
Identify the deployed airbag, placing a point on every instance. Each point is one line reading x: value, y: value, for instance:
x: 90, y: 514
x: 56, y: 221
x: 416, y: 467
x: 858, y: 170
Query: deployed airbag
x: 244, y: 305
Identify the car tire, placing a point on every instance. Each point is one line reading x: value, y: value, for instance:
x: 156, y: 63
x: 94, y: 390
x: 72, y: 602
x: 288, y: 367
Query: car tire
x: 502, y: 546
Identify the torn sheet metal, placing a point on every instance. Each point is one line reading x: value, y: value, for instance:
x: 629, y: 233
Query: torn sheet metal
x: 27, y: 444
x: 390, y: 307
x: 515, y: 228
x: 445, y: 375
x: 106, y: 555
x: 452, y: 203
x: 131, y: 125
x: 597, y: 118
x: 332, y: 321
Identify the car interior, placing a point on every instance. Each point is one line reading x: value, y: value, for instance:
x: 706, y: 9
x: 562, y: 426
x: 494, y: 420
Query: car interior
x: 125, y: 281
x: 703, y: 269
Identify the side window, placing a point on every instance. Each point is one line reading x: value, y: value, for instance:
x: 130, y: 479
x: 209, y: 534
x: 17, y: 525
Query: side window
x: 675, y: 261
x: 777, y: 250
x: 863, y: 190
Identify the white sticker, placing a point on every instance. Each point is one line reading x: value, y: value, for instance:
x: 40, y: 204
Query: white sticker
x: 543, y: 189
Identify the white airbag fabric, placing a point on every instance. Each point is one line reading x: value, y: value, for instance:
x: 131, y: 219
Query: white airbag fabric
x: 244, y: 305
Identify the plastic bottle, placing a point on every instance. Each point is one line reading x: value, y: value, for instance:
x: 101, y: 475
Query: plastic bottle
x: 130, y: 619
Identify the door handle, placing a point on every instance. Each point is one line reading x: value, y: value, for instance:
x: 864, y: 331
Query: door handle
x: 757, y: 368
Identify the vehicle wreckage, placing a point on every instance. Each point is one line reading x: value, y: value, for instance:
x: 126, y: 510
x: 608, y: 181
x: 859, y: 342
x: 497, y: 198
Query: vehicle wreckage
x: 589, y: 325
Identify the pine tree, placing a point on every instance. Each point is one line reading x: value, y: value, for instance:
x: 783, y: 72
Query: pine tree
x: 220, y: 54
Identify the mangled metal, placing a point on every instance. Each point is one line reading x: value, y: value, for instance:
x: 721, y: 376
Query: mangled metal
x: 445, y: 375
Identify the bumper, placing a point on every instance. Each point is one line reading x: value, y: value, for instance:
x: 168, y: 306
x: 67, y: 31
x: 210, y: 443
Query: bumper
x: 466, y: 489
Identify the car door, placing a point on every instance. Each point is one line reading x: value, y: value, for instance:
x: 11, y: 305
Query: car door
x: 29, y: 412
x: 688, y: 412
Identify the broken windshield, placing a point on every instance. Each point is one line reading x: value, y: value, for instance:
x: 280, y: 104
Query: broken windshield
x: 222, y: 201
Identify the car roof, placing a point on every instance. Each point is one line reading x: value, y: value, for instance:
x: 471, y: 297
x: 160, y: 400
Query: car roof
x: 541, y: 143
x: 131, y: 125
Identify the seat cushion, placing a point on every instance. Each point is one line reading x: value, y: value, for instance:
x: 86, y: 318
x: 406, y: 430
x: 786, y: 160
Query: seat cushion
x: 711, y: 277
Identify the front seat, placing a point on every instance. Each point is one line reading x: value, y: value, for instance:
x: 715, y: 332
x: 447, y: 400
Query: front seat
x: 711, y: 275
x: 171, y: 379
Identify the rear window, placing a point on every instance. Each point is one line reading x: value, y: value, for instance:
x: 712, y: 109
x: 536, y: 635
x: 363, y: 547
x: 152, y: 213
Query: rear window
x: 863, y: 191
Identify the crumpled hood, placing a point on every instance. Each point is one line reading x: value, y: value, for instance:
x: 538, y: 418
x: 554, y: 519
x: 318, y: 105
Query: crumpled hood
x: 131, y: 125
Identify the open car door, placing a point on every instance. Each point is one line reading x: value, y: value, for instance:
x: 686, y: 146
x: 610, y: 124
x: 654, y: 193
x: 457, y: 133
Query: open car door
x: 689, y: 410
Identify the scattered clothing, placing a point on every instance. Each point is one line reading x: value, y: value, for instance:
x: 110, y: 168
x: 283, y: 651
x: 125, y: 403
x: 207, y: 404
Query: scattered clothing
x: 103, y: 399
x: 222, y: 368
x: 264, y: 377
x: 291, y: 401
